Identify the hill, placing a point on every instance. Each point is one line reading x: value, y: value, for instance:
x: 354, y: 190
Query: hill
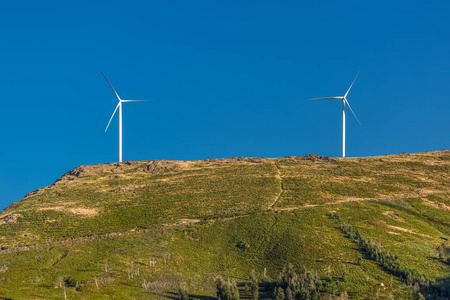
x: 366, y: 227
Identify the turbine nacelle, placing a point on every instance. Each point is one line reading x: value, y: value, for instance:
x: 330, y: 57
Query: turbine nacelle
x: 343, y: 98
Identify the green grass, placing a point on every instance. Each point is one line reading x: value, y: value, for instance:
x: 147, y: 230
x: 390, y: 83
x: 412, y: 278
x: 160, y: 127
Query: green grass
x: 180, y: 225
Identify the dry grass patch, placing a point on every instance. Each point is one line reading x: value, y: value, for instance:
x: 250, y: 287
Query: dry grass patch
x: 393, y: 215
x: 435, y: 204
x: 87, y: 212
x: 55, y: 208
x: 407, y: 231
x: 394, y: 233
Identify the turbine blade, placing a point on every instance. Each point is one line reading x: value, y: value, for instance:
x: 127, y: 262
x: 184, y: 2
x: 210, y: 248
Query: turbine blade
x: 327, y: 98
x: 112, y: 116
x: 136, y: 100
x: 111, y: 87
x: 352, y: 110
x: 351, y: 85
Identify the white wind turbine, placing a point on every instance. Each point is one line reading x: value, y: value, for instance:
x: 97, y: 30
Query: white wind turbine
x: 119, y: 106
x: 344, y: 101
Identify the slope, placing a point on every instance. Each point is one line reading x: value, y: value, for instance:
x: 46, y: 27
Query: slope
x: 143, y: 229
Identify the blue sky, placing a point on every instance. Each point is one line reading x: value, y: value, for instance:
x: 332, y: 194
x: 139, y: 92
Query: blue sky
x: 229, y: 78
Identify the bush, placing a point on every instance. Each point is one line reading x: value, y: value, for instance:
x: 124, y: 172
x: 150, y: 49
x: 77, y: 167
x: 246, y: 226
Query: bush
x: 182, y: 294
x: 254, y: 286
x: 279, y: 293
x: 227, y: 289
x: 295, y: 286
x: 389, y: 262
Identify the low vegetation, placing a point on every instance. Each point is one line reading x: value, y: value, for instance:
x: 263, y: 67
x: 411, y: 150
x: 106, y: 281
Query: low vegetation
x: 237, y: 228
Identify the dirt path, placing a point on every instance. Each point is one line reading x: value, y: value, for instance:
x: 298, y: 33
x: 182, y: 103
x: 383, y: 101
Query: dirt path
x: 278, y: 196
x: 187, y: 222
x: 350, y: 199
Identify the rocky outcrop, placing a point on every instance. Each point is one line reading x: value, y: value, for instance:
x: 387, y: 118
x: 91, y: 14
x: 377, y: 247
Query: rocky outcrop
x: 10, y: 218
x: 316, y: 157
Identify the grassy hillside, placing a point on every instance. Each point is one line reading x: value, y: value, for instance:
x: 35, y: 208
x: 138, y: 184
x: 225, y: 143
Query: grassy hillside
x: 143, y: 230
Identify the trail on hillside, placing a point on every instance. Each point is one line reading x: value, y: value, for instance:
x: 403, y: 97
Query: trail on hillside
x: 278, y: 176
x: 189, y: 222
x: 350, y: 199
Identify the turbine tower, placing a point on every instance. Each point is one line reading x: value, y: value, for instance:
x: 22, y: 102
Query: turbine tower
x: 119, y: 106
x: 344, y: 101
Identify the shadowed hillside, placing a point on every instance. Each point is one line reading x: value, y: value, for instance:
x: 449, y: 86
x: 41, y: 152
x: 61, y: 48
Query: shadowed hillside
x: 146, y: 229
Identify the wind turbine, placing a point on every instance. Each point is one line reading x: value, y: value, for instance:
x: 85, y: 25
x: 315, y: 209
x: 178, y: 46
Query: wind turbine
x: 119, y: 106
x: 344, y: 101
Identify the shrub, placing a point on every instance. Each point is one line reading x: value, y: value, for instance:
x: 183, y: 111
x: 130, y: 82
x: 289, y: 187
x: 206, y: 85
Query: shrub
x: 254, y: 286
x: 227, y: 289
x: 279, y: 293
x: 182, y: 294
x: 389, y: 262
x: 295, y: 286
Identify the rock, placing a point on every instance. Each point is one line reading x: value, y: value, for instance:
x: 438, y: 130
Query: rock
x: 34, y: 192
x: 157, y: 166
x: 73, y: 174
x: 154, y: 167
x: 316, y: 157
x: 242, y: 245
x: 10, y: 218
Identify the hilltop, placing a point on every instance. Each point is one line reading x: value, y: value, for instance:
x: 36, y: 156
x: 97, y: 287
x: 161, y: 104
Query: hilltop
x: 144, y: 229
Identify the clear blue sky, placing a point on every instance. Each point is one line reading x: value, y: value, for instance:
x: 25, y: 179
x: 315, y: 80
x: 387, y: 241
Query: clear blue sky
x: 230, y: 78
